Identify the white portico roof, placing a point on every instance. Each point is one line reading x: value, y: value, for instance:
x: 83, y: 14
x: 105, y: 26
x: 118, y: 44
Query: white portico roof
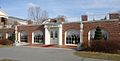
x: 3, y: 13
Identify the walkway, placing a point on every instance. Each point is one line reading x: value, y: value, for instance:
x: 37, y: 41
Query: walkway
x: 40, y: 54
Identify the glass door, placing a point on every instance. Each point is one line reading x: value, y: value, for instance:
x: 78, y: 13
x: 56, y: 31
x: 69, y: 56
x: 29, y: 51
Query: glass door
x: 54, y: 36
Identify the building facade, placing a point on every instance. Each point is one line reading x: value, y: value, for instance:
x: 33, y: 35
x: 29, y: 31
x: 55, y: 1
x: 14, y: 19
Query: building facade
x: 58, y: 32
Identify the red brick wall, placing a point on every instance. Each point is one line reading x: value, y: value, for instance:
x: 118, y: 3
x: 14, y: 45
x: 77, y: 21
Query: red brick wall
x: 112, y: 27
x: 29, y: 29
x: 4, y: 31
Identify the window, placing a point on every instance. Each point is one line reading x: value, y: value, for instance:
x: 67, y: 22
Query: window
x: 1, y: 36
x: 51, y: 34
x: 38, y: 37
x: 3, y: 20
x: 11, y: 36
x: 92, y: 34
x: 56, y: 34
x: 23, y: 36
x: 73, y: 37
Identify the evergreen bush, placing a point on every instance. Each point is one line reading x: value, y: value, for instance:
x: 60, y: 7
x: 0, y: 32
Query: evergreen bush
x: 98, y: 34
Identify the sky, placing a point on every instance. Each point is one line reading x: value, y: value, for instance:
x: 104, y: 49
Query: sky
x: 68, y: 8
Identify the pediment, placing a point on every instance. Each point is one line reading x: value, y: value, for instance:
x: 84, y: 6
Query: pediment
x: 2, y: 13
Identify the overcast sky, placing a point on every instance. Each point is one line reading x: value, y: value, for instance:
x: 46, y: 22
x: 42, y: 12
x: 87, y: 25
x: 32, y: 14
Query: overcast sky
x: 69, y: 8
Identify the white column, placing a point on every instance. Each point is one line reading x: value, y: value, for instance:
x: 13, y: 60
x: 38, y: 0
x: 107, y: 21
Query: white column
x: 16, y: 34
x: 81, y: 32
x: 6, y: 35
x: 32, y: 37
x: 47, y: 36
x: 19, y: 37
x: 65, y: 38
x: 60, y: 34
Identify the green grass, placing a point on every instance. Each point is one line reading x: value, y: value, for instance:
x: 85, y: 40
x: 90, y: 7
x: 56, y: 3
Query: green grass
x: 8, y: 60
x: 98, y: 55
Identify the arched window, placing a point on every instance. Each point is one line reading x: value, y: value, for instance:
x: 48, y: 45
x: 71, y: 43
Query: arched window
x: 38, y: 37
x: 91, y: 34
x: 72, y: 36
x: 23, y: 36
x: 11, y: 36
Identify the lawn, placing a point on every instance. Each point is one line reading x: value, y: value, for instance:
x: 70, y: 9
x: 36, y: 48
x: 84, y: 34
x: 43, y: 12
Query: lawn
x: 8, y: 60
x: 2, y: 46
x: 98, y: 55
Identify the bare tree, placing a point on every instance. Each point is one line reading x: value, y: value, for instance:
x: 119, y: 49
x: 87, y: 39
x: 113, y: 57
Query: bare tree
x: 36, y: 14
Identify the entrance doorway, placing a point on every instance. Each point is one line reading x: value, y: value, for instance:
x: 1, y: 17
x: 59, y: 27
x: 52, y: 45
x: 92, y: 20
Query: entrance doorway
x: 54, y: 36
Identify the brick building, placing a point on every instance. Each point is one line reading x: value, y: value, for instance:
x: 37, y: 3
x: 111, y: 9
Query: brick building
x: 59, y: 32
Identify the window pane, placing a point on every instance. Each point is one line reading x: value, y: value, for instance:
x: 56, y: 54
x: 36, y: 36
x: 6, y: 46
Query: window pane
x: 73, y: 37
x: 51, y: 34
x: 1, y: 36
x: 23, y: 37
x: 56, y: 34
x: 38, y: 37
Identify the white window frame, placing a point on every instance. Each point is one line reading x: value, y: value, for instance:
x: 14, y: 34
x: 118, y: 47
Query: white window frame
x: 33, y: 36
x: 66, y: 36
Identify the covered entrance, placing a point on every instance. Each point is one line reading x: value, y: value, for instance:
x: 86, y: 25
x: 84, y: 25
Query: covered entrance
x: 53, y: 33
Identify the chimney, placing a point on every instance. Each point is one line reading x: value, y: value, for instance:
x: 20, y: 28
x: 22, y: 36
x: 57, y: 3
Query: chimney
x: 84, y: 17
x: 30, y: 22
x: 114, y: 16
x: 60, y: 19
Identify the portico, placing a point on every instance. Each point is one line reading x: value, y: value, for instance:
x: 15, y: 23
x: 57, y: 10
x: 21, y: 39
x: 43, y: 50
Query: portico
x: 53, y: 33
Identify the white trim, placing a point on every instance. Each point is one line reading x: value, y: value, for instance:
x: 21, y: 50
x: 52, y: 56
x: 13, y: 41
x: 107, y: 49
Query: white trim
x: 71, y: 44
x: 34, y: 35
x: 65, y: 41
x: 4, y: 17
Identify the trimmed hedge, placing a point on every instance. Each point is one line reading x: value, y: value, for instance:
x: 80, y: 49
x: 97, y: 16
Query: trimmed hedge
x: 104, y: 46
x: 5, y: 42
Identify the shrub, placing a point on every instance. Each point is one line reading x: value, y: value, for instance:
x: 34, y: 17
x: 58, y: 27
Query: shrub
x: 98, y: 34
x: 113, y: 46
x: 5, y: 42
x: 104, y: 46
x: 97, y: 45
